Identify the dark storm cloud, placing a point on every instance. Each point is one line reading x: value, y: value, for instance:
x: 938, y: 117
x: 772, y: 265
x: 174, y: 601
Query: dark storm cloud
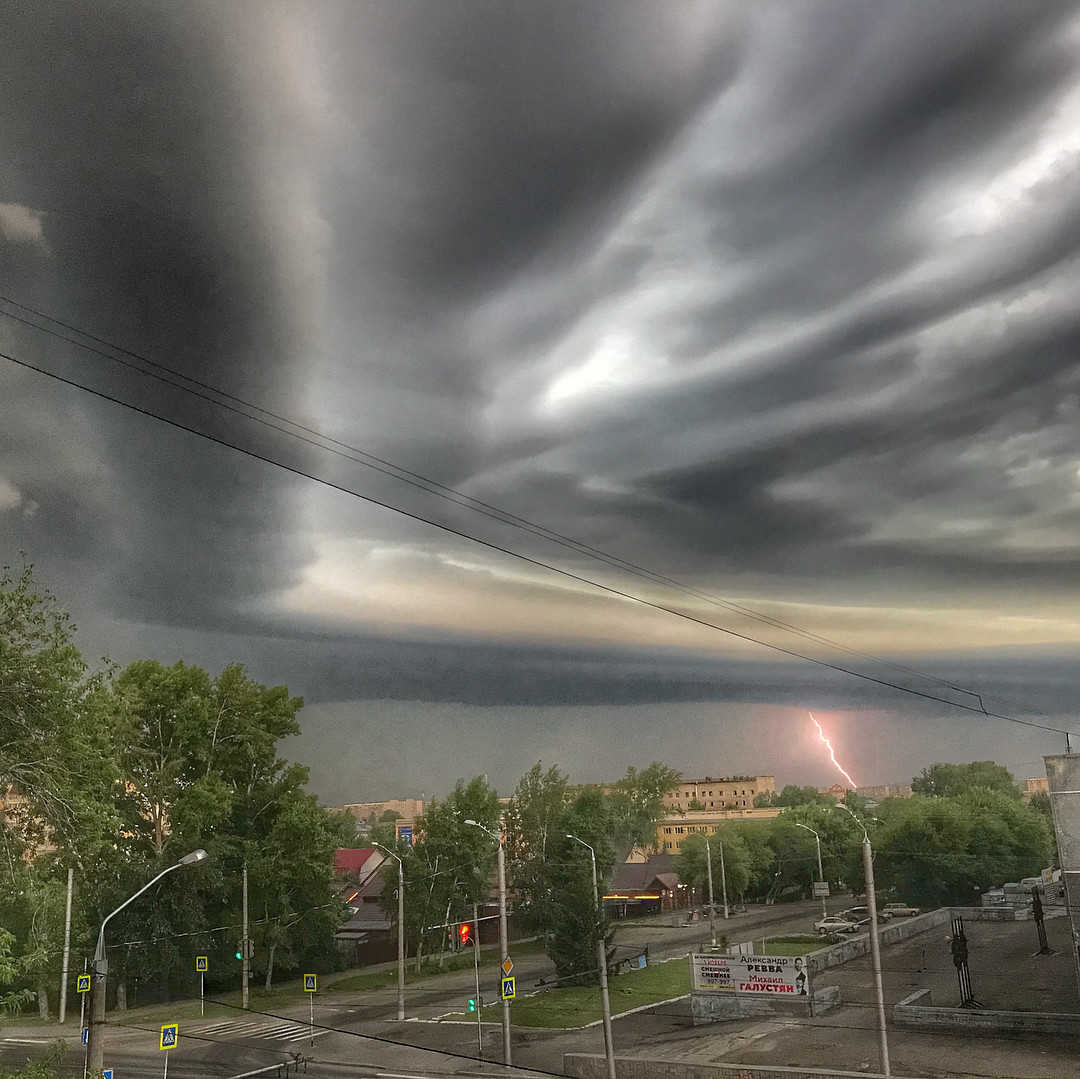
x: 204, y: 200
x: 738, y: 291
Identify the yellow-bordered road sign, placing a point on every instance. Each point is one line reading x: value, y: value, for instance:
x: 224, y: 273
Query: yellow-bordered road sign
x: 170, y: 1035
x: 82, y: 983
x: 508, y: 989
x: 508, y: 966
x: 309, y: 983
x: 202, y: 964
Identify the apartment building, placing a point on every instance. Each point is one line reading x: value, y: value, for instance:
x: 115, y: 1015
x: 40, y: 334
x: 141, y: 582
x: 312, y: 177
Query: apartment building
x: 729, y: 792
x: 671, y: 831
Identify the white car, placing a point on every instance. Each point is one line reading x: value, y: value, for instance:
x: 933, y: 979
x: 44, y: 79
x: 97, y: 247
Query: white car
x: 834, y: 923
x: 900, y: 910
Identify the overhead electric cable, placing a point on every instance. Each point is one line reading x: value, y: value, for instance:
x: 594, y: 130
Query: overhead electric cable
x: 432, y: 486
x: 581, y: 579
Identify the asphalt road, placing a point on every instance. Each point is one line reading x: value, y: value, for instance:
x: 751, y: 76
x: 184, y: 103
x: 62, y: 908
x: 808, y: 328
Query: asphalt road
x: 357, y: 1033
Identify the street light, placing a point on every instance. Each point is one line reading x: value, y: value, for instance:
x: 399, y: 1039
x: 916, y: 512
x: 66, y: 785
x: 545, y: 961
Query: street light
x: 400, y: 930
x: 723, y: 886
x: 95, y: 1038
x: 820, y: 871
x: 875, y: 944
x: 503, y: 947
x: 601, y: 952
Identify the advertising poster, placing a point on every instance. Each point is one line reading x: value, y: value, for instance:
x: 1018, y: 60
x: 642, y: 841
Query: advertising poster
x: 751, y: 975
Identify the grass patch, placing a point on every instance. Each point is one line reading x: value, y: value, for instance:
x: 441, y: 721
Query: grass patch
x: 797, y: 944
x: 384, y: 979
x: 578, y: 1005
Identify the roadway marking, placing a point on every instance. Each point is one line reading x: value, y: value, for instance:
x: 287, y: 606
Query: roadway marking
x: 290, y: 1031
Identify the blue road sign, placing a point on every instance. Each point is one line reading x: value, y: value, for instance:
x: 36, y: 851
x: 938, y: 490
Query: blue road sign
x: 405, y: 833
x: 85, y: 1035
x: 508, y: 989
x: 309, y: 983
x: 82, y: 983
x: 201, y: 964
x: 170, y: 1033
x: 107, y: 1074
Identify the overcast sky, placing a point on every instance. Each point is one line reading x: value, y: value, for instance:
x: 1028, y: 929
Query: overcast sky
x: 777, y: 301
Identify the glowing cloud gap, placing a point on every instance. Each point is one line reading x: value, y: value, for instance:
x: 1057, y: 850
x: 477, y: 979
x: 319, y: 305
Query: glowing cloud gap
x: 821, y: 735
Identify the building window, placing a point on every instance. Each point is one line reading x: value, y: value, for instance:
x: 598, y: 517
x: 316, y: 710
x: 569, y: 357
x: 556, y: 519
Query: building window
x: 679, y: 831
x: 667, y: 831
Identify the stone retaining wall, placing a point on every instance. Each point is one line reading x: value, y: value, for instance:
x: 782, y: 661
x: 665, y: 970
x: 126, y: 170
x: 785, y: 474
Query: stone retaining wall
x: 590, y: 1066
x: 916, y: 1013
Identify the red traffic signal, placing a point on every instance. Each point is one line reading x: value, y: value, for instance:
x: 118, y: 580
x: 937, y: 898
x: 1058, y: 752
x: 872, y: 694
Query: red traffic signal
x: 465, y: 932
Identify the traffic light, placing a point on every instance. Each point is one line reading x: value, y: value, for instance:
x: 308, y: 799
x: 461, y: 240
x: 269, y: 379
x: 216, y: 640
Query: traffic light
x: 472, y: 1004
x: 464, y: 933
x: 240, y: 950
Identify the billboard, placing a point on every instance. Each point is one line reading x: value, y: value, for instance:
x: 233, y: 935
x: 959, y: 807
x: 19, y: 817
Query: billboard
x: 750, y: 975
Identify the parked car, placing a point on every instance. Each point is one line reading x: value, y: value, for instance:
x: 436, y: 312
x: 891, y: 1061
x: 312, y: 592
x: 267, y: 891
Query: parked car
x: 900, y: 910
x: 835, y: 923
x: 861, y: 915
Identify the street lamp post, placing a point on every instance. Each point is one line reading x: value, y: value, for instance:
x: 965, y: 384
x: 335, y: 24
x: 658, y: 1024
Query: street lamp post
x: 820, y: 871
x: 400, y: 930
x: 875, y: 943
x: 95, y: 1038
x: 712, y: 904
x: 601, y: 954
x: 503, y: 945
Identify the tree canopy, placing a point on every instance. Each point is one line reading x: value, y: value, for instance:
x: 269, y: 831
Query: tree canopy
x: 948, y: 780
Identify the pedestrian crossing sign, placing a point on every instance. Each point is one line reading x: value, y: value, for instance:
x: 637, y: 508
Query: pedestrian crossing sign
x: 201, y: 964
x: 170, y: 1032
x: 508, y: 989
x: 309, y: 983
x: 82, y: 983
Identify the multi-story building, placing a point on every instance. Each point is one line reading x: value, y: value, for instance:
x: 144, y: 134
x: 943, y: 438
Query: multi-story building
x: 731, y: 792
x: 401, y: 811
x: 885, y: 790
x: 672, y: 830
x: 1038, y: 785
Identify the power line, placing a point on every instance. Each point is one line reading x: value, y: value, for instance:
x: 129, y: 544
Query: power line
x: 539, y: 563
x: 430, y: 485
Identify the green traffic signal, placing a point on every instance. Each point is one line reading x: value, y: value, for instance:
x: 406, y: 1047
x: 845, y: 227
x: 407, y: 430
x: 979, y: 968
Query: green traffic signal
x: 472, y: 1004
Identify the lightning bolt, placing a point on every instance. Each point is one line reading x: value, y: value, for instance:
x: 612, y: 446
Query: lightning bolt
x: 821, y: 735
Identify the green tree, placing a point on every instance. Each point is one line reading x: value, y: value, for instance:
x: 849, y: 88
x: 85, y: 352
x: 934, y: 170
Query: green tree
x: 794, y: 795
x: 636, y: 803
x: 54, y: 750
x: 450, y: 867
x: 947, y: 780
x: 692, y: 864
x: 948, y: 849
x: 198, y: 761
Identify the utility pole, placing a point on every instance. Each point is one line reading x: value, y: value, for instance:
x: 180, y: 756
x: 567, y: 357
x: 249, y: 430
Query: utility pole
x: 245, y: 949
x: 820, y: 871
x: 712, y: 913
x: 601, y: 956
x: 504, y: 945
x: 875, y: 943
x: 67, y: 951
x: 500, y: 838
x: 400, y: 930
x: 723, y: 882
x: 95, y: 1039
x: 476, y: 978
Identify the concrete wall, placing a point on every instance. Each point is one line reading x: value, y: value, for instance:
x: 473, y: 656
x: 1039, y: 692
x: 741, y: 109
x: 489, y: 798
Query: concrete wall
x: 1063, y: 777
x: 589, y: 1066
x: 917, y: 1013
x: 723, y: 1007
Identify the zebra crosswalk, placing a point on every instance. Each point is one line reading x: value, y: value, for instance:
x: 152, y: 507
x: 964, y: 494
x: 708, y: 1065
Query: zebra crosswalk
x: 261, y: 1029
